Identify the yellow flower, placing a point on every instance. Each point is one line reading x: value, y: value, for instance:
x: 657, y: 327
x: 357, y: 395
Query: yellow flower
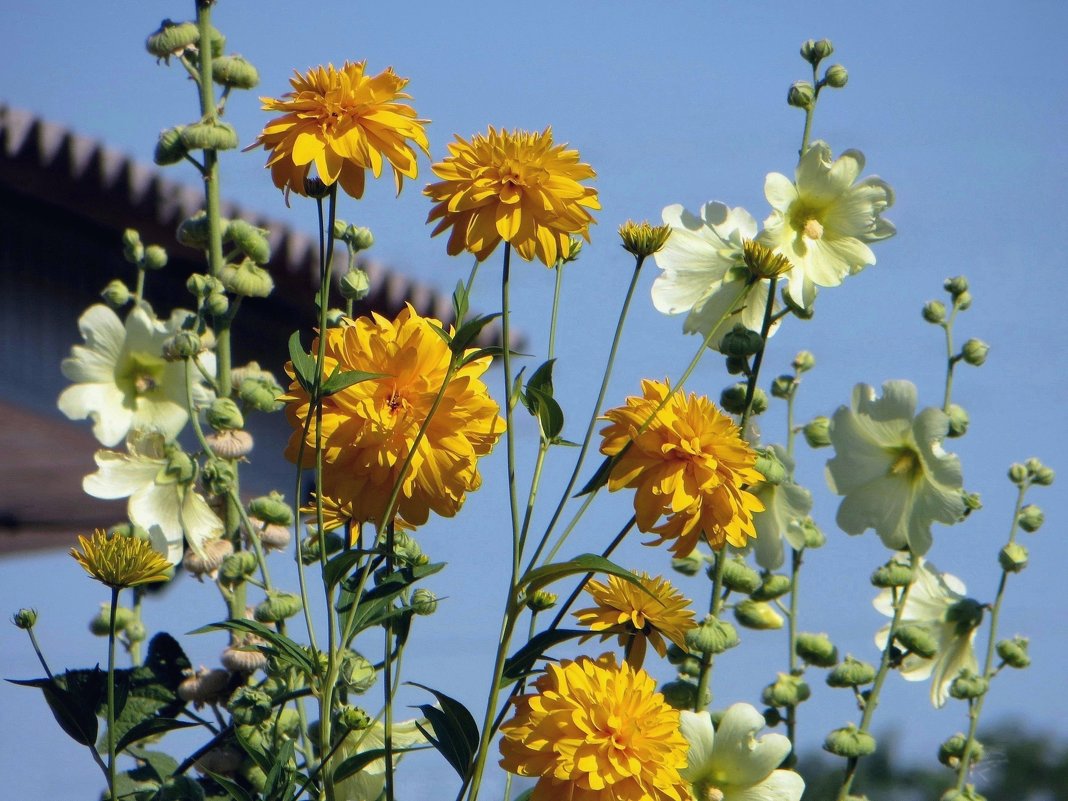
x: 338, y: 514
x: 516, y: 186
x: 643, y: 239
x: 369, y: 428
x: 343, y: 122
x: 639, y: 615
x: 120, y: 561
x: 689, y: 462
x: 595, y: 731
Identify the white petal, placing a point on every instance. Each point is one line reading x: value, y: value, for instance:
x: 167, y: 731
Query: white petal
x: 156, y: 506
x: 199, y: 523
x: 697, y: 728
x: 163, y: 416
x: 102, y: 331
x: 119, y: 475
x: 739, y: 758
x: 957, y: 654
x: 898, y: 401
x: 780, y: 192
x: 103, y: 404
x: 718, y: 313
x: 86, y: 366
x: 781, y: 785
x: 884, y: 505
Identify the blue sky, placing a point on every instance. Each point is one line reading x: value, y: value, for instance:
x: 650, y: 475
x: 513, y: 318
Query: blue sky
x: 961, y: 106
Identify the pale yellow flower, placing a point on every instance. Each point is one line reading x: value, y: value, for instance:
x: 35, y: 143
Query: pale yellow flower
x: 120, y: 561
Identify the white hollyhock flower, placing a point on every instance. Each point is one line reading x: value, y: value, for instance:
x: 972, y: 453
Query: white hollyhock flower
x: 704, y: 273
x: 121, y: 381
x: 369, y: 783
x: 824, y: 219
x: 936, y: 602
x: 159, y: 485
x: 786, y: 505
x: 729, y: 763
x: 890, y: 466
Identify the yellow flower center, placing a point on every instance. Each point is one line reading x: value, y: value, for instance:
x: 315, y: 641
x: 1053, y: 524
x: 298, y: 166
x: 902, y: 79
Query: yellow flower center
x: 139, y: 373
x: 906, y: 464
x: 712, y: 794
x: 812, y: 228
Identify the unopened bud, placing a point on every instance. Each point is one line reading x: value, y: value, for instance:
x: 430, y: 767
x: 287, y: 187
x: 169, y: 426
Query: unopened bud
x: 25, y: 618
x: 352, y: 718
x: 782, y: 386
x: 892, y: 574
x: 963, y: 301
x: 172, y: 38
x: 250, y: 240
x: 194, y: 232
x: 169, y: 148
x: 814, y: 51
x: 787, y: 690
x: 770, y: 466
x: 247, y: 279
x: 1043, y: 476
x: 816, y: 649
x: 968, y: 685
x: 958, y: 421
x: 966, y: 614
x: 956, y: 285
x: 359, y: 238
x: 680, y: 694
x: 690, y: 564
x: 797, y: 310
x: 155, y: 258
x: 236, y: 567
x: 836, y: 76
x: 234, y: 72
x: 183, y: 345
x: 934, y: 311
x: 334, y: 318
x: 357, y: 673
x: 277, y: 606
x: 217, y: 304
x: 801, y: 95
x: 1017, y: 473
x: 740, y: 342
x: 814, y: 538
x: 1031, y: 518
x: 214, y: 552
x: 355, y: 285
x: 271, y: 508
x: 101, y: 624
x: 757, y: 615
x: 224, y: 414
x: 424, y: 602
x: 736, y: 365
x: 541, y: 601
x: 738, y: 576
x: 773, y: 585
x: 851, y: 673
x: 1013, y: 558
x: 1014, y: 652
x: 250, y: 706
x: 849, y: 742
x: 209, y: 135
x: 132, y: 249
x: 817, y: 432
x: 712, y: 637
x: 116, y: 294
x: 643, y: 239
x: 917, y: 639
x: 803, y: 361
x: 974, y: 352
x: 260, y: 393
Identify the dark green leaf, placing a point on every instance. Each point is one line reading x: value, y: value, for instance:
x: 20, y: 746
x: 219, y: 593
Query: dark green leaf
x: 441, y: 332
x: 339, y: 381
x: 459, y: 302
x: 493, y: 352
x: 468, y: 332
x: 150, y: 728
x: 262, y: 759
x: 388, y: 588
x: 542, y: 378
x: 338, y: 567
x: 354, y: 764
x: 586, y: 563
x: 599, y: 478
x: 521, y: 663
x: 455, y: 733
x: 280, y: 777
x: 232, y: 788
x: 159, y: 765
x: 284, y: 647
x: 547, y: 410
x: 73, y: 698
x: 303, y: 363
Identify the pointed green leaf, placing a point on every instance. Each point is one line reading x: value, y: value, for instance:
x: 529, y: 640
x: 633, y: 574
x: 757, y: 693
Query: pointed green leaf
x: 521, y: 663
x: 232, y: 788
x: 600, y: 477
x: 75, y: 708
x: 454, y: 731
x: 354, y: 764
x: 150, y: 728
x: 547, y: 410
x: 473, y: 356
x: 161, y: 766
x: 459, y: 302
x: 280, y: 777
x: 286, y: 648
x: 586, y: 563
x: 339, y: 566
x: 303, y: 363
x: 468, y: 332
x: 441, y: 332
x: 542, y: 378
x: 339, y: 381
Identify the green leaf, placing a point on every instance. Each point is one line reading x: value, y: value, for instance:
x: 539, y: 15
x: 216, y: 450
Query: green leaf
x: 338, y: 567
x: 339, y: 381
x: 455, y: 733
x: 585, y: 563
x: 468, y: 332
x: 459, y: 302
x: 150, y: 728
x: 521, y: 663
x: 263, y: 760
x: 600, y: 477
x: 542, y: 378
x: 232, y: 788
x: 73, y: 698
x: 159, y: 765
x: 441, y: 332
x: 493, y: 352
x: 386, y: 590
x: 281, y: 775
x: 284, y: 647
x: 303, y: 363
x: 547, y: 410
x: 354, y: 764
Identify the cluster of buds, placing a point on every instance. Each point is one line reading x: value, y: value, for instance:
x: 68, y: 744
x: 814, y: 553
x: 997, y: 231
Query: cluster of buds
x: 803, y: 94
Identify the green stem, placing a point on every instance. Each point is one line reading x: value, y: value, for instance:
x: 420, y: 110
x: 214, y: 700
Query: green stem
x: 795, y: 575
x: 704, y: 675
x: 111, y: 691
x: 951, y: 358
x: 810, y: 112
x: 387, y: 672
x: 139, y: 289
x: 556, y: 309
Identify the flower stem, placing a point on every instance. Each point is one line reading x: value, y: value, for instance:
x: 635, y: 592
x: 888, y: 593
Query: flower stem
x: 810, y: 112
x: 715, y: 604
x: 951, y: 358
x: 387, y: 671
x: 111, y: 691
x: 791, y: 621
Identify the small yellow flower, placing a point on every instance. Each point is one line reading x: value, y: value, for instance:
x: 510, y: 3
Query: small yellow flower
x: 595, y: 731
x: 342, y: 122
x: 762, y: 261
x: 639, y: 615
x: 516, y: 186
x: 643, y: 239
x: 369, y: 428
x: 120, y: 561
x: 686, y: 460
x: 337, y: 514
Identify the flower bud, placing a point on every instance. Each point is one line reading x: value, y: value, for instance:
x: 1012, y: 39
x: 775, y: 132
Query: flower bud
x: 773, y: 585
x: 738, y: 576
x: 224, y: 415
x: 958, y: 421
x: 782, y: 386
x: 800, y: 312
x: 757, y: 615
x: 814, y: 538
x: 208, y: 565
x: 733, y: 400
x: 1031, y: 518
x: 272, y: 536
x: 194, y: 232
x: 972, y: 503
x: 242, y: 658
x: 250, y: 706
x: 172, y: 38
x: 334, y: 318
x: 917, y: 639
x: 311, y: 545
x: 135, y: 631
x: 358, y: 238
x: 352, y: 718
x: 786, y: 690
x: 817, y: 432
x: 772, y: 717
x: 836, y: 76
x: 340, y: 226
x: 974, y: 352
x: 261, y: 393
x: 541, y: 601
x: 968, y: 685
x: 951, y: 751
x: 690, y: 564
x: 155, y: 258
x: 769, y: 466
x: 169, y: 147
x: 355, y: 285
x: 314, y: 188
x: 204, y: 687
x: 963, y: 301
x: 736, y: 365
x: 183, y: 345
x: 357, y: 674
x: 25, y: 618
x: 643, y: 239
x: 690, y: 667
x: 803, y: 361
x: 956, y: 286
x: 216, y: 304
x: 849, y: 742
x: 231, y: 444
x: 1013, y: 558
x: 801, y: 95
x: 740, y: 342
x: 271, y: 508
x: 892, y: 574
x: 234, y: 72
x: 250, y: 240
x: 1017, y: 473
x: 116, y: 294
x: 851, y: 673
x: 101, y: 624
x: 424, y: 602
x: 966, y: 614
x: 680, y: 694
x: 814, y: 51
x: 132, y: 249
x: 219, y: 476
x: 816, y: 649
x: 277, y: 606
x: 934, y: 311
x: 247, y: 279
x: 209, y: 135
x: 1014, y: 652
x: 236, y: 567
x: 712, y: 637
x: 1043, y: 476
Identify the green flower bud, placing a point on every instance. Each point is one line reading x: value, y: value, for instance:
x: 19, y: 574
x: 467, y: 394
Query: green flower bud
x: 25, y: 618
x: 311, y: 545
x: 801, y: 95
x: 234, y: 72
x: 966, y: 613
x: 963, y: 301
x: 958, y: 421
x: 974, y: 352
x: 800, y: 312
x: 179, y: 464
x: 1043, y: 476
x: 541, y: 601
x: 712, y: 637
x: 817, y: 432
x: 816, y: 649
x: 277, y: 606
x: 132, y: 249
x: 836, y: 76
x: 787, y: 691
x: 424, y: 602
x: 135, y: 631
x: 200, y: 286
x: 769, y: 466
x: 773, y: 585
x: 261, y: 393
x: 690, y: 564
x: 814, y: 538
x: 803, y: 361
x: 219, y: 476
x: 339, y: 228
x: 271, y: 508
x: 934, y: 311
x: 116, y: 294
x: 736, y: 365
x: 680, y: 694
x: 851, y: 673
x: 892, y: 574
x: 757, y: 615
x: 247, y: 279
x: 155, y: 258
x: 169, y: 147
x: 357, y: 673
x: 782, y: 386
x: 315, y: 188
x: 355, y: 285
x: 224, y: 415
x: 334, y: 318
x: 1031, y: 518
x: 209, y: 135
x: 917, y: 639
x: 956, y: 286
x: 352, y: 718
x: 1017, y: 473
x: 172, y: 38
x: 236, y: 567
x: 972, y: 503
x: 740, y: 342
x: 1013, y: 558
x: 968, y: 685
x: 732, y: 400
x: 358, y: 238
x: 217, y: 42
x: 1014, y: 652
x: 951, y: 751
x: 183, y: 345
x: 127, y: 529
x: 249, y: 706
x: 849, y: 742
x: 738, y: 576
x: 194, y: 232
x: 772, y: 717
x: 250, y: 240
x: 100, y: 625
x: 216, y: 304
x: 255, y: 776
x: 690, y: 667
x: 814, y: 51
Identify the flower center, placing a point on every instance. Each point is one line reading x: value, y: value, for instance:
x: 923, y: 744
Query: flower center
x: 139, y: 373
x: 511, y: 174
x: 709, y: 793
x: 812, y: 228
x: 906, y: 464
